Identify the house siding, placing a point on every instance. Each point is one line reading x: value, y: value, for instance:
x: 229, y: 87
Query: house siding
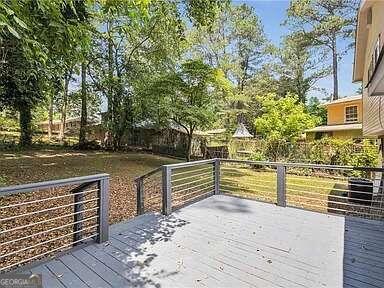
x: 336, y: 112
x: 373, y: 113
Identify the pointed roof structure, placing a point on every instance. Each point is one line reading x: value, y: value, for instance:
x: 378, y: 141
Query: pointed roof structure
x: 242, y: 132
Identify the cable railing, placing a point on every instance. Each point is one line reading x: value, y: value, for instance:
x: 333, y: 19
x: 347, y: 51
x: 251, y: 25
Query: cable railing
x: 39, y: 220
x: 345, y: 190
x: 178, y: 185
x: 149, y: 194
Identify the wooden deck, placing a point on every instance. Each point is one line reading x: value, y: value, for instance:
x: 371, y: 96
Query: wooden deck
x: 224, y: 241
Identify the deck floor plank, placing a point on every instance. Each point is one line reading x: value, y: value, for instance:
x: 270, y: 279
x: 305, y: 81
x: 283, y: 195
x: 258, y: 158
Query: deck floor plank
x: 224, y: 241
x: 49, y: 280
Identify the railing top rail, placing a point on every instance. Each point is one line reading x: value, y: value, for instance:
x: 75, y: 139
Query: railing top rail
x: 190, y: 164
x: 150, y: 173
x: 305, y: 165
x: 49, y: 184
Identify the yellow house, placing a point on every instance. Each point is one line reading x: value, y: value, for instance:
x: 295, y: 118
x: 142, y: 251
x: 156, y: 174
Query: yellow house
x: 344, y: 118
x: 369, y: 65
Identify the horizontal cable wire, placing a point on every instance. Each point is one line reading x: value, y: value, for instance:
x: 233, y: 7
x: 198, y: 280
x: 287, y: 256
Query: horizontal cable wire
x: 48, y: 220
x: 49, y: 230
x: 193, y: 176
x: 51, y: 198
x: 315, y: 179
x: 250, y: 195
x: 198, y: 196
x: 251, y: 184
x: 336, y: 202
x: 193, y: 187
x: 330, y: 177
x: 45, y: 242
x: 258, y: 180
x: 50, y: 251
x: 333, y: 189
x: 153, y: 200
x: 194, y: 170
x: 154, y: 197
x: 245, y: 188
x: 198, y: 180
x: 49, y: 209
x: 330, y: 195
x: 193, y: 192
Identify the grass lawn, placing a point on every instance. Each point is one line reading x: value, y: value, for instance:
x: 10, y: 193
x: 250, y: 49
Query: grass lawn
x: 319, y: 193
x: 41, y: 165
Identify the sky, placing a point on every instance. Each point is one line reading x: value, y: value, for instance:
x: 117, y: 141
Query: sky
x: 272, y: 13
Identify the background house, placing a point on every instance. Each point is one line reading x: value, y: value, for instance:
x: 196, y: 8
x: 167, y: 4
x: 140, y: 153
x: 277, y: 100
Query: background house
x: 72, y: 125
x: 344, y: 120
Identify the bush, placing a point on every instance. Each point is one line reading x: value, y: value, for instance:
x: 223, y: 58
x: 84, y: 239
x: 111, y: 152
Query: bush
x: 367, y: 157
x: 257, y: 156
x: 326, y: 151
x: 331, y: 151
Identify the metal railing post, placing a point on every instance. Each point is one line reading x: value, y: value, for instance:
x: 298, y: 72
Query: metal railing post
x: 281, y: 186
x: 167, y: 190
x: 78, y: 207
x: 103, y: 203
x: 217, y: 175
x: 140, y: 195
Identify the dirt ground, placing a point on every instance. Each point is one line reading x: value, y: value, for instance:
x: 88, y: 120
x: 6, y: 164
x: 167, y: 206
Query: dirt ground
x: 42, y: 165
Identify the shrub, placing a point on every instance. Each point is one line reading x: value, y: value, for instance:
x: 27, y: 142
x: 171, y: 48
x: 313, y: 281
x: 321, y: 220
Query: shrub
x: 257, y: 156
x: 327, y: 151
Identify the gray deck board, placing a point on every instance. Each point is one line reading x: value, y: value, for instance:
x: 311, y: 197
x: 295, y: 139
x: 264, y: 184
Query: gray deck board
x: 224, y: 241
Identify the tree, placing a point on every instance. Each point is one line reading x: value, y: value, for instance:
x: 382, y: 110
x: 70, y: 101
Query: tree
x: 315, y: 108
x: 283, y: 118
x: 191, y: 96
x: 19, y: 86
x: 325, y: 23
x: 234, y: 43
x: 300, y: 67
x: 26, y: 49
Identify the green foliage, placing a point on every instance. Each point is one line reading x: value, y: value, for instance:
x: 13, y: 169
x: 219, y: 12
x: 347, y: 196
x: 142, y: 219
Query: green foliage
x: 300, y: 66
x: 322, y: 23
x: 8, y: 121
x: 368, y: 156
x: 331, y: 151
x: 315, y: 108
x: 203, y: 12
x: 283, y: 118
x: 328, y: 151
x: 257, y: 156
x: 190, y: 96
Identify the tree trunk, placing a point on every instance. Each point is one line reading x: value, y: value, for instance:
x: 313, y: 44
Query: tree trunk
x: 189, y: 147
x: 110, y: 109
x: 50, y: 116
x: 64, y: 109
x: 83, y: 120
x: 334, y: 68
x: 25, y: 125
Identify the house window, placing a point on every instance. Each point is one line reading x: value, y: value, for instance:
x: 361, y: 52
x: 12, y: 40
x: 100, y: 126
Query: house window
x: 351, y: 114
